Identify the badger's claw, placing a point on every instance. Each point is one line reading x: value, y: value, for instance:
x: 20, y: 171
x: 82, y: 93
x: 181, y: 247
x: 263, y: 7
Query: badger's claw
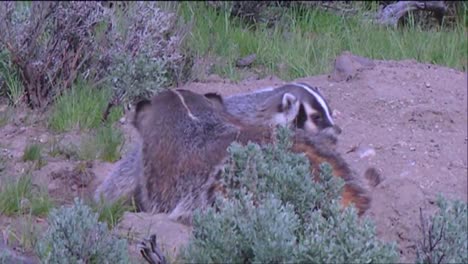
x: 150, y: 251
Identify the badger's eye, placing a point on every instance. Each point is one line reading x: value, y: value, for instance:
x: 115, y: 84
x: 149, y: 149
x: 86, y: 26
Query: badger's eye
x: 316, y: 117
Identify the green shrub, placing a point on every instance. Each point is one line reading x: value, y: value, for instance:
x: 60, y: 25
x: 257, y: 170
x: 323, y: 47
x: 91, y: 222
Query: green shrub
x: 74, y: 235
x: 445, y: 236
x: 138, y: 77
x: 274, y: 212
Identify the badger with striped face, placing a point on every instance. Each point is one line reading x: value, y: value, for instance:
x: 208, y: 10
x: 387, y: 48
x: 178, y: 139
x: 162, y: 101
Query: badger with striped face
x: 297, y: 105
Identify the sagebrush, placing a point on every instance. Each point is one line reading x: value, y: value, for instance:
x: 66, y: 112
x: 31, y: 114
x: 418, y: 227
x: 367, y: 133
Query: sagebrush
x: 75, y: 235
x: 274, y: 212
x: 51, y: 44
x: 444, y: 236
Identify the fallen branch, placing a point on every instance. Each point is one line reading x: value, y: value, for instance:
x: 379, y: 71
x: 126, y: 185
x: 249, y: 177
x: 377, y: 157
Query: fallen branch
x: 391, y: 14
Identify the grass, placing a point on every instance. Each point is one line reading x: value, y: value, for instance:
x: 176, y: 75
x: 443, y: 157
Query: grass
x: 26, y: 234
x: 58, y: 148
x: 112, y: 213
x: 33, y: 153
x: 20, y: 196
x: 5, y: 116
x: 306, y: 43
x: 104, y: 144
x: 14, y: 87
x: 81, y: 107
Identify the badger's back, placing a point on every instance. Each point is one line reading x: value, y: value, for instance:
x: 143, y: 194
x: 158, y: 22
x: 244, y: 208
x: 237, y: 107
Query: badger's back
x: 184, y: 139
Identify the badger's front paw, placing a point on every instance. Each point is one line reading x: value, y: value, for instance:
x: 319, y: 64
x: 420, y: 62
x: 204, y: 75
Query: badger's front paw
x: 150, y: 251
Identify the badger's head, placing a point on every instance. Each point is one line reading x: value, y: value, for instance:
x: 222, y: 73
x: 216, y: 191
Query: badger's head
x: 314, y: 113
x: 300, y: 106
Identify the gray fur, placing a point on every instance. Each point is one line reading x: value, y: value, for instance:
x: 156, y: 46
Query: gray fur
x: 122, y: 181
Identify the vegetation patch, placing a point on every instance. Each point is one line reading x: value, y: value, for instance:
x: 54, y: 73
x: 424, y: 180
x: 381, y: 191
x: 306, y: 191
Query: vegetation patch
x: 305, y: 42
x: 444, y: 237
x: 20, y: 196
x: 81, y: 108
x: 112, y: 213
x: 75, y: 235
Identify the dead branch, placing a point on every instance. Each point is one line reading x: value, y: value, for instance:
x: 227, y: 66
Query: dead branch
x: 430, y: 242
x: 391, y: 14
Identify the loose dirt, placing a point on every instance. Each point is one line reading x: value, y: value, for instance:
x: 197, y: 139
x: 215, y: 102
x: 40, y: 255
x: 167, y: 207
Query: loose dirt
x: 407, y: 119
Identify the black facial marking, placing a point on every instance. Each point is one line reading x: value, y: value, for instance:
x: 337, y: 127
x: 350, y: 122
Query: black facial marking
x: 323, y: 121
x: 301, y: 117
x: 279, y: 108
x: 216, y: 99
x: 141, y: 104
x: 214, y: 96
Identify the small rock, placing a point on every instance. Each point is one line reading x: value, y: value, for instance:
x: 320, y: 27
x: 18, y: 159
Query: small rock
x: 25, y: 204
x: 336, y: 113
x: 52, y: 186
x: 366, y: 153
x: 413, y: 148
x: 122, y: 120
x: 3, y: 108
x: 246, y: 61
x: 43, y: 138
x: 427, y: 84
x: 373, y: 176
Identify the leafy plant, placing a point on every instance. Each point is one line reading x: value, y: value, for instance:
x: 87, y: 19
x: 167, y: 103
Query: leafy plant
x: 75, y: 235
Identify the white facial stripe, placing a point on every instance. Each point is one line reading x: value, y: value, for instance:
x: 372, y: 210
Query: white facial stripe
x: 309, y: 125
x: 239, y: 95
x: 185, y: 105
x: 319, y: 99
x: 267, y: 89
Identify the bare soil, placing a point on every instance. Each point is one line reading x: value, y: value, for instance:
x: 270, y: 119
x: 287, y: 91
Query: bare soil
x: 407, y: 119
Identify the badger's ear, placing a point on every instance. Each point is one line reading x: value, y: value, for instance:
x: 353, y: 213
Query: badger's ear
x: 140, y: 109
x: 142, y: 104
x: 288, y: 101
x: 216, y: 99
